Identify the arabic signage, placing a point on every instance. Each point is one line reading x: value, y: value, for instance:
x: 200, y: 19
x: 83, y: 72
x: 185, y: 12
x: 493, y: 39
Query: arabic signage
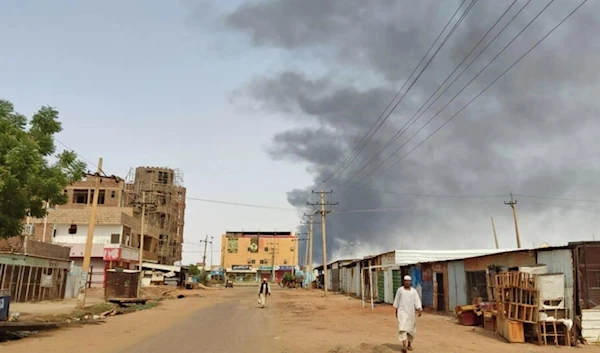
x: 112, y: 254
x: 266, y: 268
x: 286, y: 268
x: 241, y: 267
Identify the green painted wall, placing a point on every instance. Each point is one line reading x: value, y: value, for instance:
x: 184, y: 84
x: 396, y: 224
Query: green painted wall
x: 380, y: 286
x: 396, y: 280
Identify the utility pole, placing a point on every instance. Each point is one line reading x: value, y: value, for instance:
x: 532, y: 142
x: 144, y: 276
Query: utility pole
x: 87, y: 255
x: 311, y: 223
x: 324, y: 211
x: 274, y: 248
x: 211, y: 252
x: 495, y: 235
x: 205, y: 241
x: 142, y: 232
x: 297, y: 249
x: 513, y: 204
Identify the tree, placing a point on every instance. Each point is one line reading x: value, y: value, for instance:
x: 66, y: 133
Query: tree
x: 28, y: 178
x: 193, y: 270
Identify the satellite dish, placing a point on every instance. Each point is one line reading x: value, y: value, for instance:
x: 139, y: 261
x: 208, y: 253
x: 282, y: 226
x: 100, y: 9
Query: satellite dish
x: 544, y: 245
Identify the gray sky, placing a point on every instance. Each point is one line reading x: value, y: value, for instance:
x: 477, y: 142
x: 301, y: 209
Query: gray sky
x: 256, y: 99
x: 140, y: 83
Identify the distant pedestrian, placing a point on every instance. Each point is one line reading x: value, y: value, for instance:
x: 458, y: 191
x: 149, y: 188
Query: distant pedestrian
x: 264, y: 291
x: 407, y: 304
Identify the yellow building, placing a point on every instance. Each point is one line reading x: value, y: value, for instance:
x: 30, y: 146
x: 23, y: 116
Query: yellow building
x: 251, y: 256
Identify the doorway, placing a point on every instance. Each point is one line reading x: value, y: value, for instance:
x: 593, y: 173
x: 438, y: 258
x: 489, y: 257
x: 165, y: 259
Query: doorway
x: 441, y: 300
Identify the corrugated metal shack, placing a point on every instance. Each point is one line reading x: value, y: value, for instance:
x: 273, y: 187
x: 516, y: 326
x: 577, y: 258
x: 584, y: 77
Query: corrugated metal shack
x: 427, y: 268
x: 32, y: 270
x: 446, y: 284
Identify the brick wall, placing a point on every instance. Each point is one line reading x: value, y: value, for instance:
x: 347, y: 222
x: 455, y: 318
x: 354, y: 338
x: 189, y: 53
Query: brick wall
x: 12, y: 245
x: 21, y: 245
x: 53, y: 251
x: 111, y: 188
x: 104, y: 215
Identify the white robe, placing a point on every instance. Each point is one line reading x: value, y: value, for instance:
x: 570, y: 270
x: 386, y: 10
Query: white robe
x: 407, y: 302
x: 262, y: 297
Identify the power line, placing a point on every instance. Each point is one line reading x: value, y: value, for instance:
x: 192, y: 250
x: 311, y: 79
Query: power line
x: 379, y: 122
x: 242, y: 204
x: 414, y: 118
x: 78, y: 155
x: 488, y: 86
x: 428, y: 208
x: 420, y: 195
x: 556, y: 198
x: 461, y: 90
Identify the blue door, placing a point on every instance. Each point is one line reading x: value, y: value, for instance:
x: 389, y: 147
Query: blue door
x: 457, y: 284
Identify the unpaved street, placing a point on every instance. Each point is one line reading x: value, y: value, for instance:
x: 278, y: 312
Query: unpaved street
x: 295, y: 321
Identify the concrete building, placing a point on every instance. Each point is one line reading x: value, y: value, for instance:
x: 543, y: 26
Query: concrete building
x: 163, y: 188
x: 117, y: 233
x: 251, y: 256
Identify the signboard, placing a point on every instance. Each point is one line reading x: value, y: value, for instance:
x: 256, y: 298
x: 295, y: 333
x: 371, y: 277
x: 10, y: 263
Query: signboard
x: 286, y: 268
x: 241, y: 267
x: 232, y: 245
x: 112, y: 254
x: 266, y: 268
x: 253, y: 245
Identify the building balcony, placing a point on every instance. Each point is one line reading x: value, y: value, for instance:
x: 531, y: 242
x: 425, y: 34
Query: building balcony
x: 150, y: 256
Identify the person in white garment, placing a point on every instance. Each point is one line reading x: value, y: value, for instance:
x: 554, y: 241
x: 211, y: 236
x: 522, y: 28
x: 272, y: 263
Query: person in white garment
x: 408, y: 305
x: 263, y: 291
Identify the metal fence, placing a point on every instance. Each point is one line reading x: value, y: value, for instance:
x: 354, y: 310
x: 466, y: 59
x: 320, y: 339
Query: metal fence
x: 28, y: 283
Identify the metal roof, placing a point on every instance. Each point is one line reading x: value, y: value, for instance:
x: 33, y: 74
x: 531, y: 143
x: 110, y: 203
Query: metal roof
x: 411, y: 257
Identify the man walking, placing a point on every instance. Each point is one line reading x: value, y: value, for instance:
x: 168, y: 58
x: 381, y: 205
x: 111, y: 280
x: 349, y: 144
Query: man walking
x: 263, y: 292
x: 407, y: 304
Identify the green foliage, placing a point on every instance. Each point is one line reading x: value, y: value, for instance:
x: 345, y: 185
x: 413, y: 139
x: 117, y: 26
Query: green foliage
x: 193, y: 270
x: 288, y: 277
x: 27, y: 178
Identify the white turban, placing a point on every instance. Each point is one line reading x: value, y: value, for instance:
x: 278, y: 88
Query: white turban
x: 407, y: 278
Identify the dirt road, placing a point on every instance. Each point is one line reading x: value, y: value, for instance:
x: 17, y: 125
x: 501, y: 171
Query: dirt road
x: 295, y: 321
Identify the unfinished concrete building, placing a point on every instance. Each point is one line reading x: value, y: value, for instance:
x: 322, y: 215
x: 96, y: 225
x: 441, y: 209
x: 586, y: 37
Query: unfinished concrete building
x: 161, y: 189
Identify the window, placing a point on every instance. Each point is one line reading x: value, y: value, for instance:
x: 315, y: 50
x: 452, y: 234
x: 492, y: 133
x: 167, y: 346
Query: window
x: 262, y: 262
x: 285, y: 261
x: 115, y: 238
x: 266, y: 248
x: 477, y: 285
x: 253, y: 261
x: 54, y: 233
x: 113, y: 194
x: 80, y: 196
x: 73, y: 229
x: 163, y: 177
x: 100, y: 197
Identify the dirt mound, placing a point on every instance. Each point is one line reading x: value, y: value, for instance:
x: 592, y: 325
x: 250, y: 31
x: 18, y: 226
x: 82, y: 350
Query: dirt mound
x: 160, y: 292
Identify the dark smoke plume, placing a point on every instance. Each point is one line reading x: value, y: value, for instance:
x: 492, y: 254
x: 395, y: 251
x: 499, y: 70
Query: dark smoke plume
x: 532, y: 133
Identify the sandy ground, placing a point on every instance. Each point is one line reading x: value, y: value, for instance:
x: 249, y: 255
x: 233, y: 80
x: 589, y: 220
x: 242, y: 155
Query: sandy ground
x: 46, y: 308
x: 295, y: 321
x: 337, y: 324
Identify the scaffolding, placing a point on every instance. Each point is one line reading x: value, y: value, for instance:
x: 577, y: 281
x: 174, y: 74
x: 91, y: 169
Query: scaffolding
x: 163, y: 187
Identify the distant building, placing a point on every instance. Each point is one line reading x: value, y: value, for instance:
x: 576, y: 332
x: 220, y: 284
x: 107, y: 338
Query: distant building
x: 250, y: 256
x: 117, y: 233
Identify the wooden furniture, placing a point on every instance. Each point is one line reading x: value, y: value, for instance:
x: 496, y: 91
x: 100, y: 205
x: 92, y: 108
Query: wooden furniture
x: 553, y: 332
